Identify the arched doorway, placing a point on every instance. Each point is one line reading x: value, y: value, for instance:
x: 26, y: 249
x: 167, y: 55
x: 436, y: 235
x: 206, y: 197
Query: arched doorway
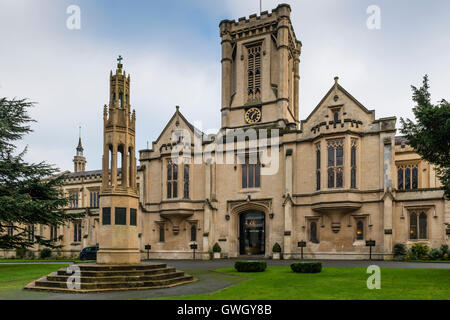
x: 252, y: 233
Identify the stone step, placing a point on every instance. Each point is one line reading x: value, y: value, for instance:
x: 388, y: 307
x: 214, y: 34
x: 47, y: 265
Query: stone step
x: 116, y: 285
x: 183, y: 280
x: 106, y: 268
x: 101, y: 278
x: 83, y: 273
x: 171, y: 273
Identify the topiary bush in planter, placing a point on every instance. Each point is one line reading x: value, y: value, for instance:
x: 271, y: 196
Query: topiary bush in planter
x: 46, y: 253
x: 217, y: 248
x: 276, y: 249
x: 250, y: 266
x: 216, y: 251
x: 306, y: 267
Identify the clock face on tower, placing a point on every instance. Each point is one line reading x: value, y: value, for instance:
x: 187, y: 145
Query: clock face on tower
x: 253, y: 115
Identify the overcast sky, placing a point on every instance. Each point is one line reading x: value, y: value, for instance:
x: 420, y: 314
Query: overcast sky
x: 172, y: 51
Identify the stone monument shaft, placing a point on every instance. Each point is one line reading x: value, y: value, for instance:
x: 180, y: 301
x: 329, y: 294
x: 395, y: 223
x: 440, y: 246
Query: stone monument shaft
x: 118, y: 236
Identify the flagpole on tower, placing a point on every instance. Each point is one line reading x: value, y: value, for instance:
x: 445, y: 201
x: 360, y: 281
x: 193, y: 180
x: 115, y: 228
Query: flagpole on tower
x: 260, y: 7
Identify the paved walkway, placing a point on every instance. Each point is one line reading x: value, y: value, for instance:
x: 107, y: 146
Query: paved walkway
x: 226, y: 263
x: 208, y: 281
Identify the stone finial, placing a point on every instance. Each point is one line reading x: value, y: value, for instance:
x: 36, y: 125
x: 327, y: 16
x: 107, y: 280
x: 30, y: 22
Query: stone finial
x: 80, y: 145
x: 336, y: 80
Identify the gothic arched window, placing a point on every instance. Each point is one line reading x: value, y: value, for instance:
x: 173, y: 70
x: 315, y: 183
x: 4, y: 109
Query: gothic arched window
x: 120, y: 100
x: 251, y: 172
x: 313, y: 232
x: 172, y: 180
x: 353, y: 165
x: 400, y: 178
x: 413, y: 226
x: 254, y: 71
x: 423, y: 225
x: 360, y: 230
x: 336, y: 163
x: 418, y: 226
x: 414, y: 178
x: 193, y: 232
x: 53, y: 233
x: 335, y: 117
x: 186, y: 182
x: 318, y: 166
x: 10, y: 230
x: 407, y: 178
x: 161, y: 233
x: 77, y: 231
x: 30, y: 232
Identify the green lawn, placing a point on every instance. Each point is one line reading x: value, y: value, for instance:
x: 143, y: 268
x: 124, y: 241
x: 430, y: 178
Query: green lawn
x: 280, y: 283
x: 43, y: 260
x: 14, y: 277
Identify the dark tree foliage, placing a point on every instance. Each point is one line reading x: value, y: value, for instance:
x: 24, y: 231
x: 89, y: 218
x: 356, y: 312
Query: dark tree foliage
x: 429, y: 135
x: 30, y: 194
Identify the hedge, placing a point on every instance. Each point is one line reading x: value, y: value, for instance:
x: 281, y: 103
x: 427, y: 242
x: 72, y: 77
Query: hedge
x: 250, y: 266
x: 306, y: 267
x: 46, y: 253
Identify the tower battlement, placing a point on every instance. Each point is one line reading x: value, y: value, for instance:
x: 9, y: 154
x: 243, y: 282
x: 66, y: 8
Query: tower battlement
x: 260, y: 70
x: 265, y: 22
x: 264, y: 15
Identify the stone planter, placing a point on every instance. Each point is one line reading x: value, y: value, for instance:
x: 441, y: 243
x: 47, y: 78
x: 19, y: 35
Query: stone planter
x: 216, y: 255
x: 276, y: 256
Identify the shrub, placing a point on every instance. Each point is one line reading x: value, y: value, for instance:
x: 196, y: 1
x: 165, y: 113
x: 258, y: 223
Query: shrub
x: 444, y: 249
x: 435, y: 254
x: 250, y: 266
x: 21, y: 253
x: 418, y: 251
x: 217, y: 248
x: 399, y: 250
x: 276, y: 247
x: 29, y: 254
x: 46, y: 253
x: 306, y: 267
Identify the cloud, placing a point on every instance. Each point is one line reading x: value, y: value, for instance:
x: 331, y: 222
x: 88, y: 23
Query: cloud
x: 67, y: 73
x: 172, y: 50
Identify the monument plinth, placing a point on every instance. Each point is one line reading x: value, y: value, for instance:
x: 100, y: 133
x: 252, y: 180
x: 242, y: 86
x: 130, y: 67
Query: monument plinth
x: 118, y: 264
x: 118, y: 236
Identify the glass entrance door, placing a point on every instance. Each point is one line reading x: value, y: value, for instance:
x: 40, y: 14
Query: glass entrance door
x: 251, y: 236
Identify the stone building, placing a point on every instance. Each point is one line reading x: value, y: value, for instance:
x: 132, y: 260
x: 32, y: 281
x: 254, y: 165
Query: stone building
x: 334, y: 180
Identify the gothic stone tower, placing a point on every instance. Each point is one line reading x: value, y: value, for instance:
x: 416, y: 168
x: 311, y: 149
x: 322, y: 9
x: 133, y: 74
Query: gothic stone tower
x: 118, y: 236
x: 79, y: 161
x: 260, y: 70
